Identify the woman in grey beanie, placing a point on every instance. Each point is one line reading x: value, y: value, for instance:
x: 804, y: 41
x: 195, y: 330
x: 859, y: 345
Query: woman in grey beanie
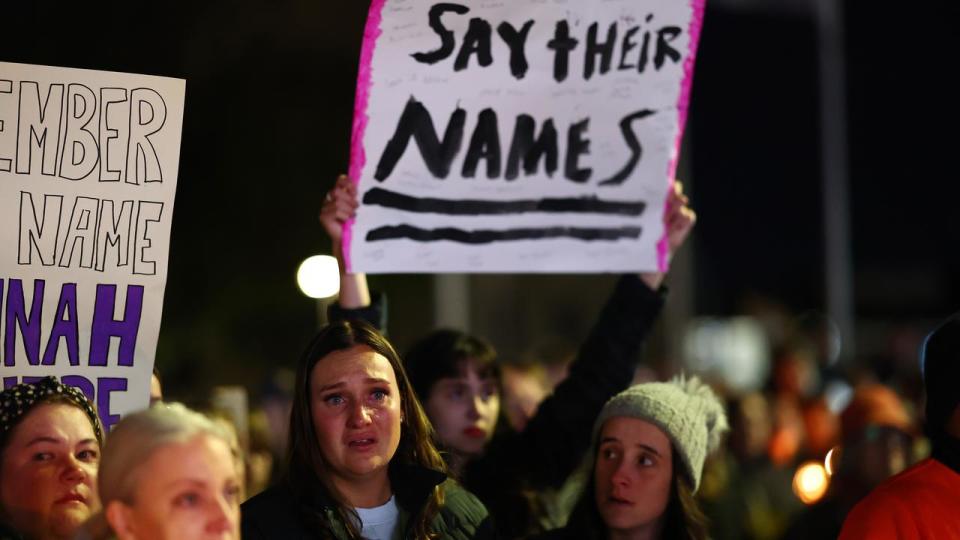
x: 650, y: 442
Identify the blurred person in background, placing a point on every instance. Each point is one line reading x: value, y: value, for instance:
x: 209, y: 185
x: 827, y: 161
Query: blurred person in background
x: 649, y: 447
x: 745, y: 495
x: 169, y: 473
x: 276, y: 402
x: 923, y: 501
x: 260, y: 460
x: 526, y: 383
x: 524, y: 387
x: 794, y: 380
x: 50, y: 439
x: 821, y: 426
x: 361, y: 461
x: 458, y: 378
x: 877, y: 444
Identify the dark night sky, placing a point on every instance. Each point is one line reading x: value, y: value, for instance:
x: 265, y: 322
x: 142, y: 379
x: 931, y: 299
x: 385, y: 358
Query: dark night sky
x: 269, y: 99
x: 756, y: 159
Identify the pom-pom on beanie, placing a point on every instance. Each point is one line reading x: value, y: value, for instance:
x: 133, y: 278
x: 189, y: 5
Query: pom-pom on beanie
x: 685, y: 409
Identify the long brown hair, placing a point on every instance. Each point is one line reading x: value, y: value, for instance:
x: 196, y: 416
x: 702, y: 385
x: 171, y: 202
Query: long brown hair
x: 307, y: 472
x: 682, y: 519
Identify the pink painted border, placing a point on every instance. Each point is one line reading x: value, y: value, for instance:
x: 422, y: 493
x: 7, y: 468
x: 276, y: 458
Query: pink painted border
x: 696, y: 24
x: 358, y: 158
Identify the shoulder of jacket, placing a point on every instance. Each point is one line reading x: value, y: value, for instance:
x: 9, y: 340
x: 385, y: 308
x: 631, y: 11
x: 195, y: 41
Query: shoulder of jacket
x: 461, y: 509
x: 917, y: 478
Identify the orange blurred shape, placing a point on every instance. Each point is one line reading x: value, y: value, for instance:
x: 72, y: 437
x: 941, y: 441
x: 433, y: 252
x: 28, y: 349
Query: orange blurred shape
x: 874, y: 405
x: 822, y: 427
x: 784, y: 445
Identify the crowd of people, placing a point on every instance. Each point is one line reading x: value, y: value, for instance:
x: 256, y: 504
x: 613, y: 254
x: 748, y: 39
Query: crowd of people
x: 381, y: 446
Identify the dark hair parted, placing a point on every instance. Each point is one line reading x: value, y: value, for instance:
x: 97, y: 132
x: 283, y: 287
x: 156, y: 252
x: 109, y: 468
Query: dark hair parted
x: 445, y: 353
x: 682, y: 519
x: 307, y: 473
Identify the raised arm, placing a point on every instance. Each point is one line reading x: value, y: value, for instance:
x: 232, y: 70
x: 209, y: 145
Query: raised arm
x: 339, y: 206
x: 678, y: 219
x: 554, y: 441
x: 355, y: 302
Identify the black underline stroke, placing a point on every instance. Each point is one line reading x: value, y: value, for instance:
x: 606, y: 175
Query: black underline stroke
x: 409, y: 232
x: 479, y: 207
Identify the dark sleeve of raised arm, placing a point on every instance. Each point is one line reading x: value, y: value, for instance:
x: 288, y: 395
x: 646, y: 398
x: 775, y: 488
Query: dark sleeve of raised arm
x: 556, y: 438
x: 374, y: 314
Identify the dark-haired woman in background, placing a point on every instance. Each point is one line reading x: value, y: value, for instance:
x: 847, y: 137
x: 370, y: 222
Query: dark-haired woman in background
x: 649, y: 446
x: 361, y: 461
x: 458, y: 379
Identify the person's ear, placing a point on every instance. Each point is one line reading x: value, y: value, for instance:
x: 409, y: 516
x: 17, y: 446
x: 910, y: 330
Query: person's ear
x: 120, y: 518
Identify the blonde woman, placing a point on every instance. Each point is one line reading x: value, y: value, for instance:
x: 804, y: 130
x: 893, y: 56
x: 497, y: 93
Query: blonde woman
x: 169, y: 472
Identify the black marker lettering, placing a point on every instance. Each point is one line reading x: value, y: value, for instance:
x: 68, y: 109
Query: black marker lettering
x: 416, y: 123
x: 485, y: 144
x: 530, y: 150
x: 39, y: 127
x: 602, y: 49
x: 461, y: 236
x: 148, y: 114
x: 517, y: 41
x: 561, y: 44
x: 38, y: 231
x: 477, y: 41
x: 447, y: 41
x: 664, y: 50
x: 80, y: 152
x: 114, y: 134
x: 636, y: 151
x: 577, y: 146
x: 479, y: 207
x: 626, y: 46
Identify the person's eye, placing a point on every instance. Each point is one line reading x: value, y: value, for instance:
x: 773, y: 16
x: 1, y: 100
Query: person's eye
x: 42, y: 456
x: 489, y: 391
x: 380, y: 394
x: 89, y: 455
x: 608, y: 453
x: 334, y: 399
x: 189, y: 499
x: 232, y: 492
x: 646, y: 461
x: 458, y: 392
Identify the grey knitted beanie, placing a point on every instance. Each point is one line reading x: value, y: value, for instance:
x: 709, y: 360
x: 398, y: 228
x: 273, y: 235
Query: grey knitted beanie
x: 685, y: 409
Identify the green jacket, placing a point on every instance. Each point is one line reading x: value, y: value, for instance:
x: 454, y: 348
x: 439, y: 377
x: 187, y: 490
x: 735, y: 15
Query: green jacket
x: 279, y: 513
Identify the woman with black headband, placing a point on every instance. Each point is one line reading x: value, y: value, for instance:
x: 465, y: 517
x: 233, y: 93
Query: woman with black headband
x: 50, y: 439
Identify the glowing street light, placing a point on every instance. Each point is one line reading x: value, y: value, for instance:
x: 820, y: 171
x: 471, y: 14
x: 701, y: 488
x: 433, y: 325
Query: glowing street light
x: 319, y: 276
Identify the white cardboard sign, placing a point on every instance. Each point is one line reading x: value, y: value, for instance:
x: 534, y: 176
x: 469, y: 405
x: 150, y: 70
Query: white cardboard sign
x: 88, y: 172
x: 520, y: 136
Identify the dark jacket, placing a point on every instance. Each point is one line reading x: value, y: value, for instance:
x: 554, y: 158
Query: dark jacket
x: 279, y: 513
x: 517, y: 466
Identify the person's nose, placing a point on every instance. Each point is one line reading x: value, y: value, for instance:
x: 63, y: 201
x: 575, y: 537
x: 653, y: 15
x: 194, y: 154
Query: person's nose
x: 73, y: 471
x: 622, y: 475
x: 359, y: 415
x: 223, y: 516
x: 473, y: 407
